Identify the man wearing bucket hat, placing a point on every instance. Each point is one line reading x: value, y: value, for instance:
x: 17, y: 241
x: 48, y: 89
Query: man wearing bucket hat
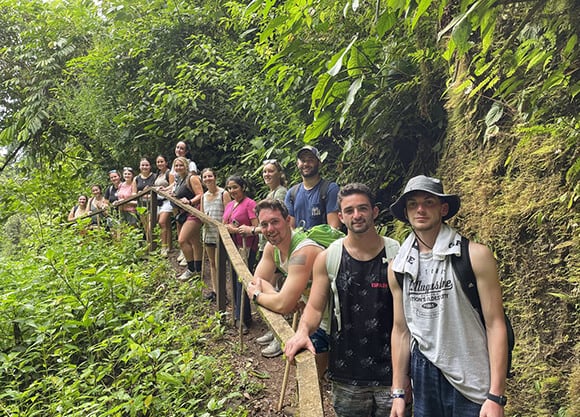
x: 457, y: 365
x: 314, y: 200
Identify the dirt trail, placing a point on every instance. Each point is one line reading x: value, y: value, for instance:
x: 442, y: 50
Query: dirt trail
x: 268, y: 371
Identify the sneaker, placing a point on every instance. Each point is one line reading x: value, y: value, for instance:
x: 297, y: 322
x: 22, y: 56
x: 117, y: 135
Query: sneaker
x: 164, y: 252
x: 265, y: 339
x: 272, y: 350
x: 183, y: 262
x: 186, y: 275
x: 181, y: 256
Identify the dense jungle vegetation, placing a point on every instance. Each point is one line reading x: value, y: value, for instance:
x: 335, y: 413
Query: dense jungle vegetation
x: 482, y: 93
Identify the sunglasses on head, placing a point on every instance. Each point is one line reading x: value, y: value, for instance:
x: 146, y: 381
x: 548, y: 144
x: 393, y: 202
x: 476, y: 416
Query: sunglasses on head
x: 128, y: 169
x: 113, y: 171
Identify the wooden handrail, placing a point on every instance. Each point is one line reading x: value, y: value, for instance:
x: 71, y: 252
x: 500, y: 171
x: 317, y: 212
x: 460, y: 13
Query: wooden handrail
x: 309, y: 394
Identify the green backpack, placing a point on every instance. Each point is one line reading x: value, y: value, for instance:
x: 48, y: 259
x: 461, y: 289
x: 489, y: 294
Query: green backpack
x: 323, y: 234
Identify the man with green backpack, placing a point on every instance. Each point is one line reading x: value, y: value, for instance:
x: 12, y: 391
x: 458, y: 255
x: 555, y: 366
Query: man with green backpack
x: 290, y: 252
x: 351, y: 278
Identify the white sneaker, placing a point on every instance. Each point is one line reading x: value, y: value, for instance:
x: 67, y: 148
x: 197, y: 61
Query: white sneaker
x: 186, y: 275
x: 164, y: 252
x: 265, y: 339
x: 272, y: 350
x: 183, y: 262
x: 181, y: 256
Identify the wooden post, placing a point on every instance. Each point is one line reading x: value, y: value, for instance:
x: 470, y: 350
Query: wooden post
x: 152, y: 210
x: 221, y: 267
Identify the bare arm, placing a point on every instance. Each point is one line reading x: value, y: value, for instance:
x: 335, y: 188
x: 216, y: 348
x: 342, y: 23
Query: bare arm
x: 299, y: 272
x: 197, y: 188
x: 265, y: 269
x: 313, y: 311
x: 485, y: 269
x: 400, y: 345
x: 333, y: 220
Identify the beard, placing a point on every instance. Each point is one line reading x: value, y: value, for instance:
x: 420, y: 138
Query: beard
x: 313, y: 172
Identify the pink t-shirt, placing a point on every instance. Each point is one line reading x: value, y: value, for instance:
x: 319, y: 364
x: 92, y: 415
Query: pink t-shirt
x: 125, y: 191
x: 243, y: 213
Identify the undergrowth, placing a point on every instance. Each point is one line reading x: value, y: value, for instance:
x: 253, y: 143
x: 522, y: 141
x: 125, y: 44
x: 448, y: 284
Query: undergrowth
x: 90, y: 326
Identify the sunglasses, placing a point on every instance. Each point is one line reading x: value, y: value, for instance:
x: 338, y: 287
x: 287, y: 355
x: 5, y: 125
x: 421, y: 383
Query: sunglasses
x: 113, y: 171
x: 128, y: 169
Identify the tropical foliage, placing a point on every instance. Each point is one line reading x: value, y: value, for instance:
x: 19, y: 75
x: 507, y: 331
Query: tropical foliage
x: 483, y: 93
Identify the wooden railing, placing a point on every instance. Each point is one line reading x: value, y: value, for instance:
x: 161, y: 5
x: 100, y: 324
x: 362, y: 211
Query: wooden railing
x: 309, y: 394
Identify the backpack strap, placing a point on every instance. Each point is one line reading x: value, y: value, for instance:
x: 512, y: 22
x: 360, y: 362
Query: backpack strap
x: 333, y: 257
x: 292, y: 192
x: 464, y: 272
x: 323, y: 197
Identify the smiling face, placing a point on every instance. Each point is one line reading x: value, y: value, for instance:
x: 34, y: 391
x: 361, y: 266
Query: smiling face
x: 179, y: 167
x: 271, y: 176
x: 96, y: 190
x: 82, y: 200
x: 208, y: 178
x: 115, y: 178
x: 236, y: 191
x: 357, y: 213
x: 128, y: 175
x: 308, y: 165
x: 275, y: 228
x: 180, y: 149
x: 161, y: 163
x: 145, y: 166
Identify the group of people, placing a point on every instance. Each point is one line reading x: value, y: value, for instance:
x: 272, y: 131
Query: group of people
x: 389, y: 324
x: 389, y: 347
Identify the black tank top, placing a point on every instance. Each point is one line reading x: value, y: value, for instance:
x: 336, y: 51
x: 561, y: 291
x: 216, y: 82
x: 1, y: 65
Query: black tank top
x: 361, y: 353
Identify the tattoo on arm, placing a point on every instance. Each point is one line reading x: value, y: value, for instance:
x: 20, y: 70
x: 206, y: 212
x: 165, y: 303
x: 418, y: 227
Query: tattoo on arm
x: 297, y: 260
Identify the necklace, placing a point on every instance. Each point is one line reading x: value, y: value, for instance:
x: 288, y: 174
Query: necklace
x: 422, y: 241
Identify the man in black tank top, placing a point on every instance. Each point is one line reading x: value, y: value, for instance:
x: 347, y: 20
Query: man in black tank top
x: 360, y: 349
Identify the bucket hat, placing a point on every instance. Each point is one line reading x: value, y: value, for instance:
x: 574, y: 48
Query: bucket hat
x: 429, y: 185
x: 311, y: 149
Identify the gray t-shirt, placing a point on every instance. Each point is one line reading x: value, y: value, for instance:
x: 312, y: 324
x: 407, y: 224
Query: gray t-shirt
x: 446, y: 328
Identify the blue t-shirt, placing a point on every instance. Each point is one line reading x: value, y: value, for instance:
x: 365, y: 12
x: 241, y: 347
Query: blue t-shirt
x: 306, y: 209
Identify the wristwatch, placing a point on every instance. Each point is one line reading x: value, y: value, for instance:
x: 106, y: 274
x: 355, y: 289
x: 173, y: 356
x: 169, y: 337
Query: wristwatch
x: 500, y: 399
x: 255, y: 296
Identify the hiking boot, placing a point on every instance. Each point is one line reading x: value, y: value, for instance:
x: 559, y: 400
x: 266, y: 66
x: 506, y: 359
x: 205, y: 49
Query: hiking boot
x: 265, y: 339
x: 272, y: 350
x: 187, y: 274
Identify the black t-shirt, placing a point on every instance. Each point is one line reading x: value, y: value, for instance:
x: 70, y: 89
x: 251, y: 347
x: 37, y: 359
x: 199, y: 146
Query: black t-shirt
x: 361, y: 353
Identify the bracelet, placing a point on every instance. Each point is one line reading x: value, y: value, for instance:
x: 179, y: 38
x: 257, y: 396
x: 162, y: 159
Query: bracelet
x: 398, y: 393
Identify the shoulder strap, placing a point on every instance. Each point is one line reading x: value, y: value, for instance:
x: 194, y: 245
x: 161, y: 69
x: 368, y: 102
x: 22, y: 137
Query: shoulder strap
x: 322, y: 194
x: 464, y: 272
x: 333, y: 257
x: 293, y: 192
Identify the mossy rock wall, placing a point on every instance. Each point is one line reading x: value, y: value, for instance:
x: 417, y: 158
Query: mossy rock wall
x: 520, y: 197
